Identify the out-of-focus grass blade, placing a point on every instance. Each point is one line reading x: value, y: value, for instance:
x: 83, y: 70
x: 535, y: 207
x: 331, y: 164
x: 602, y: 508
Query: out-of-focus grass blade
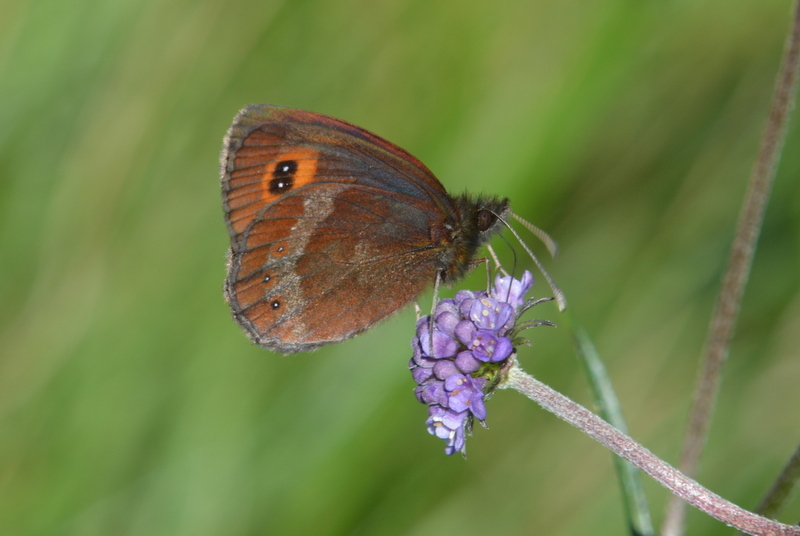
x: 608, y: 406
x: 783, y: 489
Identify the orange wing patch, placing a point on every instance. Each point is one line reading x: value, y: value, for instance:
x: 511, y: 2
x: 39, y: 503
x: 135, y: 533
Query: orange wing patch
x: 265, y: 169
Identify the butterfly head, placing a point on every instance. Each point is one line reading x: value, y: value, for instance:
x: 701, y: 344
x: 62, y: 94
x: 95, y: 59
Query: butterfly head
x: 478, y: 218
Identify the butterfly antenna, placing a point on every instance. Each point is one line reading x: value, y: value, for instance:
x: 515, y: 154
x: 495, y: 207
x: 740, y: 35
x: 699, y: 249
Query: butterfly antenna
x: 513, y: 253
x: 500, y: 267
x: 561, y: 300
x: 549, y: 243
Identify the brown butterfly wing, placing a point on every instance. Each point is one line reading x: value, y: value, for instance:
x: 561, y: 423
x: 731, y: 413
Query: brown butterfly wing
x: 332, y: 228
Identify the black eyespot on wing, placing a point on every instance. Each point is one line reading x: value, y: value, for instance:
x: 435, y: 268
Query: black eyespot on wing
x: 283, y: 177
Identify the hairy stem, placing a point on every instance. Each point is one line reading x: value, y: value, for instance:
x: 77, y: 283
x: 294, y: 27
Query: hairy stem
x: 678, y: 483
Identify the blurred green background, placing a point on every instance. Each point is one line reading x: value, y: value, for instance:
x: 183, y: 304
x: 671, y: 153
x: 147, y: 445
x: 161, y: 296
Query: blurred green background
x: 132, y: 404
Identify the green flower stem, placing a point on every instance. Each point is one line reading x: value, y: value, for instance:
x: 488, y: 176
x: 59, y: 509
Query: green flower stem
x: 678, y: 483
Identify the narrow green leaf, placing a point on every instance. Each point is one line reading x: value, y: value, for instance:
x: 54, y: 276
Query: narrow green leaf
x: 634, y: 500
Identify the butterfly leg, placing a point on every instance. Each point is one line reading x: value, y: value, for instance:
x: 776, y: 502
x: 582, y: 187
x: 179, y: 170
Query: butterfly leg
x: 496, y: 260
x: 435, y: 302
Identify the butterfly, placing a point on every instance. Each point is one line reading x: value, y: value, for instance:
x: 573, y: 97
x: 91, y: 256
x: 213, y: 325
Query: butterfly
x: 333, y: 228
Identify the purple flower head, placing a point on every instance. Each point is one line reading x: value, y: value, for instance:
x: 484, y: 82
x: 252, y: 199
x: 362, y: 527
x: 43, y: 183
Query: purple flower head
x: 466, y: 362
x: 464, y: 393
x: 431, y: 393
x: 471, y: 340
x: 487, y: 346
x: 465, y: 298
x: 487, y: 313
x: 443, y: 345
x: 510, y: 290
x: 448, y: 425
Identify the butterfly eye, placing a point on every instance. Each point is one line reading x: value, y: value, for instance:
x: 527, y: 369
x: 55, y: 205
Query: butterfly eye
x: 485, y: 219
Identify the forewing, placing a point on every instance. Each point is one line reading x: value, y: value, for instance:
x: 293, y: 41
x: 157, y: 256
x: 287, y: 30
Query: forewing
x: 326, y: 150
